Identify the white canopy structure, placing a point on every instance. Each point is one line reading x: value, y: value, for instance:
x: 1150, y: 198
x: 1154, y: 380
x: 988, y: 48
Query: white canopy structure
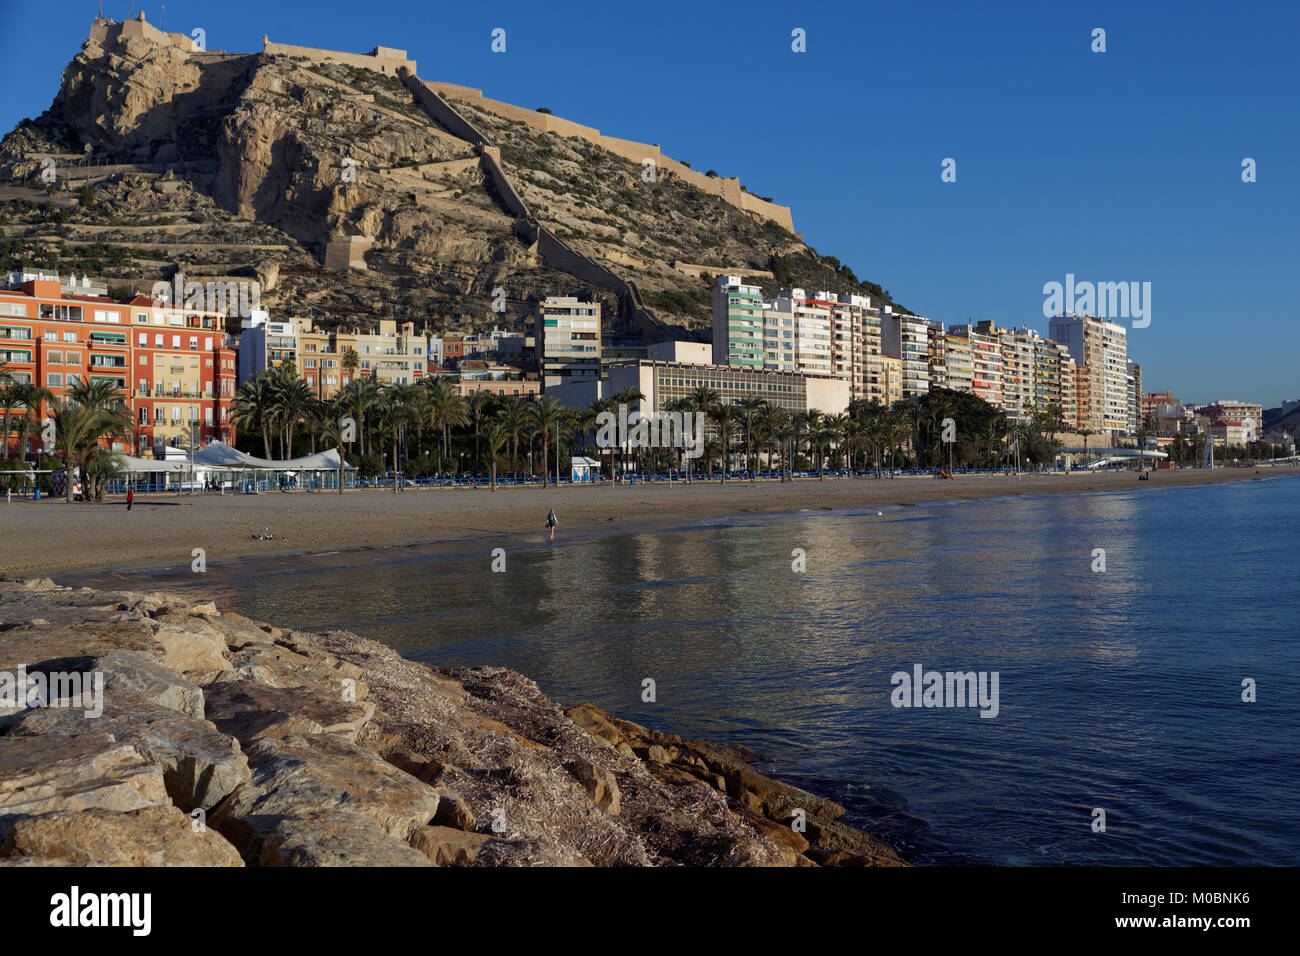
x: 140, y: 466
x: 219, y: 456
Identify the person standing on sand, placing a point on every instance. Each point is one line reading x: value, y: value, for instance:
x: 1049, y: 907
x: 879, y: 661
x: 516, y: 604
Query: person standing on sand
x: 130, y: 498
x: 551, y: 522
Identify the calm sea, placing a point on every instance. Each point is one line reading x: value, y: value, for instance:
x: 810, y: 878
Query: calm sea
x: 1118, y: 690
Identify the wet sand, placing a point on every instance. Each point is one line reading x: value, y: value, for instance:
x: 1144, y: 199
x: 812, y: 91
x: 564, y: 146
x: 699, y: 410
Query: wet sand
x: 46, y: 537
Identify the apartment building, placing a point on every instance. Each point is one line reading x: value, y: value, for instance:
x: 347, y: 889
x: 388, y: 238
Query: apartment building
x: 392, y: 354
x: 1100, y: 347
x: 855, y: 343
x: 891, y: 375
x: 1248, y: 412
x: 1133, y: 377
x: 737, y: 323
x: 502, y: 381
x: 986, y: 363
x: 173, y: 366
x: 665, y: 382
x: 264, y: 344
x: 568, y: 334
x: 183, y: 377
x: 797, y: 333
x: 907, y: 338
x: 1017, y: 349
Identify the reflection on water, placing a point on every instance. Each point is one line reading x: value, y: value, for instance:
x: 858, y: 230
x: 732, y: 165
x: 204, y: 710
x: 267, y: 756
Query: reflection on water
x: 1119, y: 690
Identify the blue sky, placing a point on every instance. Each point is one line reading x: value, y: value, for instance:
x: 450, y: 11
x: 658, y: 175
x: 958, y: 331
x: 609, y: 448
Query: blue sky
x: 1115, y: 166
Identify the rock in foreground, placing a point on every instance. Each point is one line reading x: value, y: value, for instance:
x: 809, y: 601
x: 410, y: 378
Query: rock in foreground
x: 224, y: 742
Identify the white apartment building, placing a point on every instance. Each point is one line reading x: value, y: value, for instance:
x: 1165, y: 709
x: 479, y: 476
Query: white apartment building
x: 1101, y: 348
x: 796, y: 334
x: 568, y: 334
x: 907, y: 338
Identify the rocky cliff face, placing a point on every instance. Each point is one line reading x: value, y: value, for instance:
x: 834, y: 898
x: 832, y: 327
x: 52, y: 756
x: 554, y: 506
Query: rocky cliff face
x: 314, y: 151
x: 223, y: 742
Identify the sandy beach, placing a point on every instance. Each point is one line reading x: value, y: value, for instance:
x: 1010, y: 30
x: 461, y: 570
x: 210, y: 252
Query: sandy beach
x: 46, y: 537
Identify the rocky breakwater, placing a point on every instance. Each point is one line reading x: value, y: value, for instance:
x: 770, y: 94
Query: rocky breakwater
x: 214, y: 740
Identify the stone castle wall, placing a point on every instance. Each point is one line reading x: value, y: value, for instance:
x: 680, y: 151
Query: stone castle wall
x: 382, y: 59
x: 727, y: 189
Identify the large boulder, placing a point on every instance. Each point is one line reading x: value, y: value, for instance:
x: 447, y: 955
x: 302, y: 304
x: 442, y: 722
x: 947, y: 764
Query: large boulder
x: 249, y: 710
x: 153, y: 836
x: 334, y: 838
x: 45, y: 774
x: 303, y: 772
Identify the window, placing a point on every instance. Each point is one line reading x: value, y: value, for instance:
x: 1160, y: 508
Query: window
x: 50, y: 335
x: 194, y: 342
x: 141, y: 317
x: 74, y: 380
x: 176, y: 320
x: 69, y: 336
x: 54, y: 380
x: 16, y: 309
x: 176, y: 341
x: 103, y: 315
x: 158, y: 340
x: 54, y: 358
x: 207, y: 344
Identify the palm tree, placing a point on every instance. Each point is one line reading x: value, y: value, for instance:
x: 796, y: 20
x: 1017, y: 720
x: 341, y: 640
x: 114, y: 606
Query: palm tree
x: 751, y: 406
x: 332, y: 430
x: 496, y: 435
x: 252, y: 408
x: 684, y: 407
x: 351, y: 362
x: 93, y: 411
x: 775, y: 419
x: 628, y: 397
x: 545, y: 415
x: 726, y: 418
x: 109, y: 417
x: 27, y: 396
x: 392, y: 415
x: 703, y: 398
x: 292, y: 398
x: 446, y: 410
x: 513, y: 416
x: 477, y: 405
x: 832, y: 432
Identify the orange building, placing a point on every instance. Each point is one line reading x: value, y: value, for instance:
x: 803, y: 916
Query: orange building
x: 173, y: 363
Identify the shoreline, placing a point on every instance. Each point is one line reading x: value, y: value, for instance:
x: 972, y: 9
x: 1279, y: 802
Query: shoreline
x: 50, y: 537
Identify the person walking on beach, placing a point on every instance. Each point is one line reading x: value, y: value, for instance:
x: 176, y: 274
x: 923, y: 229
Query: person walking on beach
x: 551, y: 522
x: 130, y: 498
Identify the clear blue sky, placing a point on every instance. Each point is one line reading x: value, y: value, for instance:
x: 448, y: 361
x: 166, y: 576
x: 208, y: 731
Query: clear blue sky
x: 1115, y: 166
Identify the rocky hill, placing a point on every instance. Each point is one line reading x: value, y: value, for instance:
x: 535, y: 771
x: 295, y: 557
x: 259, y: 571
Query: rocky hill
x: 216, y: 165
